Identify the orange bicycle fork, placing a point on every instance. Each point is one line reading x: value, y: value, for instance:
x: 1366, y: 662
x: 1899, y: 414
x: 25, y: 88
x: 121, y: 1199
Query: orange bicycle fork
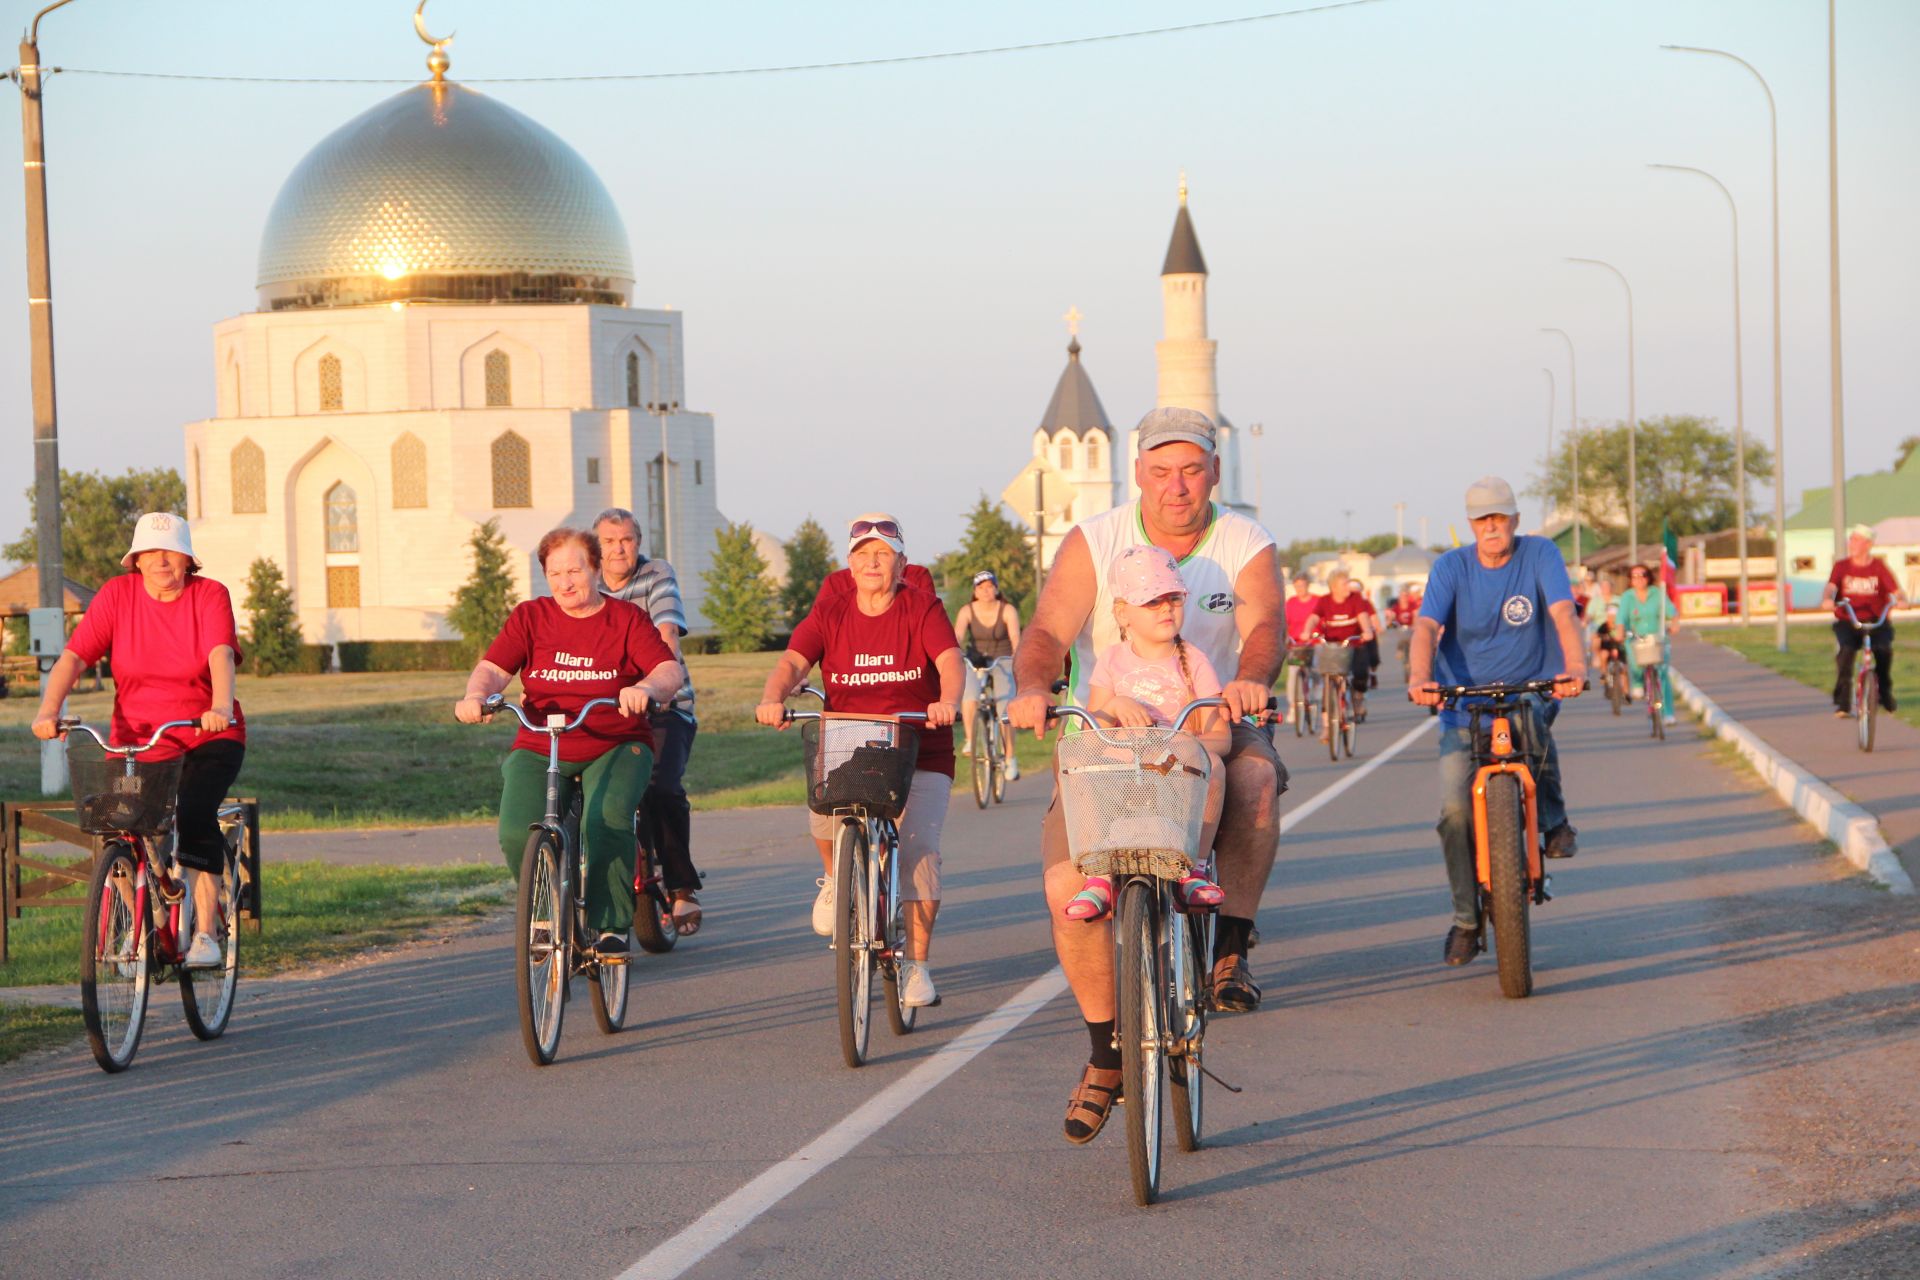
x: 1504, y: 762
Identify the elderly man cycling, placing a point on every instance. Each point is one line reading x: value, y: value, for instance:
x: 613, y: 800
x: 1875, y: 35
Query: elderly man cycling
x: 1235, y: 617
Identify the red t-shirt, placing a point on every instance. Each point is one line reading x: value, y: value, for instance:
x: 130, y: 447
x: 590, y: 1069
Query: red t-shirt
x: 1405, y: 610
x: 159, y: 650
x: 1340, y: 619
x: 882, y: 665
x: 1869, y: 589
x: 1299, y: 609
x: 565, y: 662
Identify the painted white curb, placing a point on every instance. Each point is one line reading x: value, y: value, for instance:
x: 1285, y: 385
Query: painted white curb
x: 1851, y: 828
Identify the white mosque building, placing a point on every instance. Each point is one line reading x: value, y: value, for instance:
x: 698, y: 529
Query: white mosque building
x: 1075, y: 436
x: 444, y: 335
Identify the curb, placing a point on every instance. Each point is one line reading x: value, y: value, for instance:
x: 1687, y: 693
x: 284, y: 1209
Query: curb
x: 1855, y: 831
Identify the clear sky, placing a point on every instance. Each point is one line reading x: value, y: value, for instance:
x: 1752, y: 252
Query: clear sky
x: 874, y: 262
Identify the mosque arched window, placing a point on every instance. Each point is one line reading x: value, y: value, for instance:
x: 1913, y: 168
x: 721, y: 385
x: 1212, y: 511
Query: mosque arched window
x: 499, y: 380
x: 343, y: 519
x: 409, y: 471
x: 633, y: 379
x: 248, y: 475
x: 512, y: 471
x: 332, y: 394
x: 1095, y: 462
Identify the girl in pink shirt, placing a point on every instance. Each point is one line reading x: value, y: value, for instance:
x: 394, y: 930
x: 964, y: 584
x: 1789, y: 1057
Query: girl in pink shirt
x: 1141, y: 682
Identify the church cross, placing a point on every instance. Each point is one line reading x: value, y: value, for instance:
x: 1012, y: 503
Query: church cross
x: 1073, y: 318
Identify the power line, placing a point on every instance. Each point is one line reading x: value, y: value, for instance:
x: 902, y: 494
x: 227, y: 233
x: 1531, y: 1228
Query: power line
x: 843, y: 65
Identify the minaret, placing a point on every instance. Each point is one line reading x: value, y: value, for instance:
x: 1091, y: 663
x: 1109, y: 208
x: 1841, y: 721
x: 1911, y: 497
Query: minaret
x: 1185, y: 354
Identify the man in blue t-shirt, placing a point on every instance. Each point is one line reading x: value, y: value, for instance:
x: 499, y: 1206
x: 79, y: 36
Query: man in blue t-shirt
x: 1487, y: 613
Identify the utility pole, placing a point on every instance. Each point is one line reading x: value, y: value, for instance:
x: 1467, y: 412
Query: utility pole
x: 1040, y: 532
x: 1833, y: 299
x: 1399, y: 525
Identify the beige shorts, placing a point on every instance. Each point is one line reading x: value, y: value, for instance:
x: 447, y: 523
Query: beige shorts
x: 919, y: 827
x: 1053, y: 827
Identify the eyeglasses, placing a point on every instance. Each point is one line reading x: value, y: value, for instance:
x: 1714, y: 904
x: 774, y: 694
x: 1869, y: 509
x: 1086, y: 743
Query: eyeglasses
x: 875, y: 528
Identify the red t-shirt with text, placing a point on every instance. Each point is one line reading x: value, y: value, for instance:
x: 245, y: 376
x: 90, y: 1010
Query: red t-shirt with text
x: 1869, y: 590
x: 159, y: 651
x: 882, y: 665
x: 1340, y: 619
x: 565, y: 662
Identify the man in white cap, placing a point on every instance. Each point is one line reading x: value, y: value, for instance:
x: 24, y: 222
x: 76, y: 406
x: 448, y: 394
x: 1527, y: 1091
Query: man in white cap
x: 1865, y: 583
x: 1497, y: 612
x: 1236, y: 617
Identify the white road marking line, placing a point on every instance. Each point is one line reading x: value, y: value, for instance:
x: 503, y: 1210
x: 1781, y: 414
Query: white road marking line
x: 685, y: 1250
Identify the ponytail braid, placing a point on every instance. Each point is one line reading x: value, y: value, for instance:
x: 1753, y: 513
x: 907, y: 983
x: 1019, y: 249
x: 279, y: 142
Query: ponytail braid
x: 1186, y: 669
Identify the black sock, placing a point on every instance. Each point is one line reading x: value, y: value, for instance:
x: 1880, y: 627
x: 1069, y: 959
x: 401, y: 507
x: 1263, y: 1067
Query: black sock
x: 1234, y: 934
x: 1106, y: 1055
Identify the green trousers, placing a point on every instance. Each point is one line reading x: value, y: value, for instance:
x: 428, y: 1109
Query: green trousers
x: 612, y: 785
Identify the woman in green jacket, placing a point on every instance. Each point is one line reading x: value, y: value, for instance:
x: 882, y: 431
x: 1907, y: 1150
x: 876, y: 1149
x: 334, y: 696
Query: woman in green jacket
x: 1644, y: 610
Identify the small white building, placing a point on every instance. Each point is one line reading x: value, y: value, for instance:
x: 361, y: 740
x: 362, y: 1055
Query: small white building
x: 443, y: 336
x: 1075, y: 438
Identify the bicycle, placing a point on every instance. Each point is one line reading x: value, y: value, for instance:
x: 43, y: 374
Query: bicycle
x: 1866, y: 676
x: 1333, y: 660
x: 1302, y: 696
x: 551, y: 943
x: 139, y: 910
x: 653, y: 906
x: 1135, y: 805
x: 1651, y: 654
x: 860, y: 772
x: 992, y: 744
x: 1506, y: 820
x: 1613, y: 678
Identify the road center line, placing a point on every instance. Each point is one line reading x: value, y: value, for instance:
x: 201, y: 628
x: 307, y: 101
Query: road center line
x: 683, y: 1251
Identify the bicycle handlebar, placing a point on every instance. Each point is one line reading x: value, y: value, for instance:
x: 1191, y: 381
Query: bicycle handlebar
x: 68, y: 725
x: 1866, y: 626
x: 556, y: 723
x: 1179, y: 721
x: 1453, y: 693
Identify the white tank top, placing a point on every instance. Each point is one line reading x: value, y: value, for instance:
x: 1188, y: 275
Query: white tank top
x: 1210, y: 571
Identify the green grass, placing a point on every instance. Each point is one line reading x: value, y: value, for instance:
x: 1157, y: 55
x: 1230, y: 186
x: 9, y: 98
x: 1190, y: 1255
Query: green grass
x: 1809, y: 658
x: 28, y: 1027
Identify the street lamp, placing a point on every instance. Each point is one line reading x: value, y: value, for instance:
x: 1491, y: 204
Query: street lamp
x: 1633, y: 421
x: 1779, y: 448
x: 1573, y: 434
x: 660, y: 407
x: 1256, y: 430
x: 1739, y: 387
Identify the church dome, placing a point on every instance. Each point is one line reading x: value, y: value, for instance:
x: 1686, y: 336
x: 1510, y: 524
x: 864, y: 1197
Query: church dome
x: 441, y: 194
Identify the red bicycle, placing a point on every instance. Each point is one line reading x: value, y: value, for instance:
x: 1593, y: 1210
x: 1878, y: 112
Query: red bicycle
x: 138, y: 919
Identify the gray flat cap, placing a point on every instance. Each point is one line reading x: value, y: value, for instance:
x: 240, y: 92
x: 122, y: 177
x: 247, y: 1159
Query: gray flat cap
x: 1175, y: 425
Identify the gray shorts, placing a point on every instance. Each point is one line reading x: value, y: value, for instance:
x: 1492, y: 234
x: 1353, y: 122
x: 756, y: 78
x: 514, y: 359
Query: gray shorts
x: 919, y: 826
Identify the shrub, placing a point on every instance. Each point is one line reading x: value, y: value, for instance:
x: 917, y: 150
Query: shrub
x: 741, y: 603
x: 480, y: 608
x: 402, y: 655
x: 273, y: 629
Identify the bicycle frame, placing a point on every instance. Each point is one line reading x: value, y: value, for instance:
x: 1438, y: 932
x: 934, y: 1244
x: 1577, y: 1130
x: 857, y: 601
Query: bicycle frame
x: 1503, y: 749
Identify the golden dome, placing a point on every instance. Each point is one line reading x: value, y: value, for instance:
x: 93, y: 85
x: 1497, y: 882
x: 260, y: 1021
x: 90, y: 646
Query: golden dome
x: 441, y: 194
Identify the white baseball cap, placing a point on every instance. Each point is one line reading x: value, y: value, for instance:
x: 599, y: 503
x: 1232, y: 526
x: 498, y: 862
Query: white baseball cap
x: 1490, y: 495
x: 160, y: 531
x: 876, y: 524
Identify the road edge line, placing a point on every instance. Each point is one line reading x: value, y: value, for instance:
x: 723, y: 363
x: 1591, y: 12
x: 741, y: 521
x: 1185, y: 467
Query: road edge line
x: 1854, y: 830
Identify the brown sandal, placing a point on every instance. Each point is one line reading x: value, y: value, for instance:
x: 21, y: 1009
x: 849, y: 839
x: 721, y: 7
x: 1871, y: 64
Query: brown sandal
x: 1092, y: 1101
x: 686, y: 922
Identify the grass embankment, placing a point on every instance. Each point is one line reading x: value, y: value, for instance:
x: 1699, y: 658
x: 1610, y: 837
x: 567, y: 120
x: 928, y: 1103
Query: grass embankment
x: 1809, y: 658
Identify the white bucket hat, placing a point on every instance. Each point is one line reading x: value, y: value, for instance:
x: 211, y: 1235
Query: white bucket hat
x: 160, y: 531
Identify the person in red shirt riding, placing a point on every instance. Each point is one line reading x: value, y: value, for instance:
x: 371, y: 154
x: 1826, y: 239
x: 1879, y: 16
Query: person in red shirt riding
x: 569, y: 648
x: 1863, y: 581
x: 884, y: 648
x: 1341, y: 615
x: 171, y: 635
x: 1401, y: 617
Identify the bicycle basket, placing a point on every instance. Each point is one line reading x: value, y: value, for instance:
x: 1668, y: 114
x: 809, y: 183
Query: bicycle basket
x: 1134, y: 800
x: 108, y: 799
x: 859, y: 762
x: 1648, y: 651
x: 1332, y: 659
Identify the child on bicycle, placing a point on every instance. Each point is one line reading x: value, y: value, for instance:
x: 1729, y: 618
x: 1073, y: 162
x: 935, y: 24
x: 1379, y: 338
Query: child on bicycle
x: 1143, y: 681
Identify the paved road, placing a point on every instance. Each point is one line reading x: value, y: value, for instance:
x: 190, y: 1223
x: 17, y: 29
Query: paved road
x: 1697, y: 980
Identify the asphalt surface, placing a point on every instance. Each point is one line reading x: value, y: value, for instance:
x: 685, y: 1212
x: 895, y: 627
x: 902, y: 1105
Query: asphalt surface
x: 1399, y: 1119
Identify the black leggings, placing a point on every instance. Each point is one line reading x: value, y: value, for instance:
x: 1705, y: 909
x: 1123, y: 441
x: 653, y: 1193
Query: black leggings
x: 206, y: 775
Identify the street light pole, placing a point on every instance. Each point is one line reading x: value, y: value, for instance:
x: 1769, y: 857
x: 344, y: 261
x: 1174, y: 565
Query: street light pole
x: 1573, y: 434
x: 660, y: 408
x: 46, y: 429
x: 1550, y: 398
x: 1256, y: 430
x: 1833, y: 296
x: 1782, y: 596
x: 1739, y: 386
x: 1633, y: 421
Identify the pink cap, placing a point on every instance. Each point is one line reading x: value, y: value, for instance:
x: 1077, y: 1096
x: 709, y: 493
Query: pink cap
x: 1143, y: 574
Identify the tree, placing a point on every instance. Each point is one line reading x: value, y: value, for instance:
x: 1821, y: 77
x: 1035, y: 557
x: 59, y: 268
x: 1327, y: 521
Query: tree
x: 1686, y: 475
x: 481, y: 606
x: 991, y: 542
x: 97, y: 515
x: 809, y: 561
x: 1904, y: 450
x: 741, y: 602
x: 273, y: 630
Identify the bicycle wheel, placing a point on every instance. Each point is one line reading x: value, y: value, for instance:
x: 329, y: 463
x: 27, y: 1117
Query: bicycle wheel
x: 1143, y: 1065
x: 1616, y: 686
x: 1650, y: 690
x: 1349, y: 729
x: 1330, y: 716
x: 852, y: 956
x: 113, y: 961
x: 206, y: 995
x: 652, y: 909
x: 1297, y: 700
x: 1192, y: 944
x: 1867, y: 696
x: 1002, y: 752
x: 1507, y: 890
x: 609, y: 983
x: 899, y: 1017
x: 542, y: 946
x: 980, y: 762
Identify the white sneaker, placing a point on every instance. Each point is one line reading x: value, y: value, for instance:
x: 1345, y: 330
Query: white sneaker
x: 1013, y: 769
x: 966, y: 749
x: 1672, y: 719
x: 823, y: 908
x: 916, y: 985
x: 204, y: 953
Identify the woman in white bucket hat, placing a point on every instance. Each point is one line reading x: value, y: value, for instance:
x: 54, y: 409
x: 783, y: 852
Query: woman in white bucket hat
x: 174, y: 648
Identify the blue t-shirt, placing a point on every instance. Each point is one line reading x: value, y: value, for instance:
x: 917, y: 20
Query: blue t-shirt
x: 1497, y: 628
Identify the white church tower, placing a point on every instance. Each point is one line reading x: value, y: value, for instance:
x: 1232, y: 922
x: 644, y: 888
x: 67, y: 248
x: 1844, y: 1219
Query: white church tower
x: 1186, y: 356
x: 1075, y: 437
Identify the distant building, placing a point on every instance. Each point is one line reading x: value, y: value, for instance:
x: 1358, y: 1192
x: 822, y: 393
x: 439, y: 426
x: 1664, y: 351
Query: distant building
x: 1880, y: 499
x: 1075, y: 438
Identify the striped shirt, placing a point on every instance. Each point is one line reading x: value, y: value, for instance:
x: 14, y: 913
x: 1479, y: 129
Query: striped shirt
x: 655, y: 588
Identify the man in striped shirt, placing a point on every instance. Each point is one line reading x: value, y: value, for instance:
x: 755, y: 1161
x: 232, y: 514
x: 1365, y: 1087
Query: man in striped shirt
x: 625, y: 574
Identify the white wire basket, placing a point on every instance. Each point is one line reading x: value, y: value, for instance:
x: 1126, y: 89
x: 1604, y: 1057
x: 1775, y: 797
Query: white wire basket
x: 1134, y: 800
x: 1648, y: 651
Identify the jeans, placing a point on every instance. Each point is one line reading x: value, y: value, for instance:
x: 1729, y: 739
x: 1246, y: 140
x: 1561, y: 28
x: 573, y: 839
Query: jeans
x: 1456, y: 806
x: 612, y: 784
x: 1850, y: 639
x: 669, y: 818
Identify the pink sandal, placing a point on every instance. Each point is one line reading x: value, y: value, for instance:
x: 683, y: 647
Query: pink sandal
x: 1093, y: 902
x: 1198, y: 891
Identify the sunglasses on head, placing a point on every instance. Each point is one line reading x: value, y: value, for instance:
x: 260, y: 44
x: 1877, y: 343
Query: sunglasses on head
x: 878, y: 528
